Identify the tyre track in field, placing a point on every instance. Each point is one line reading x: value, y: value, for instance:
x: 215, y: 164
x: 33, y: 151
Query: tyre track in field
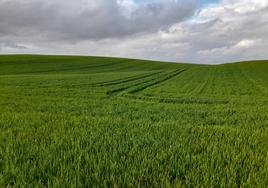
x: 135, y: 84
x: 118, y: 81
x: 138, y: 87
x: 124, y: 80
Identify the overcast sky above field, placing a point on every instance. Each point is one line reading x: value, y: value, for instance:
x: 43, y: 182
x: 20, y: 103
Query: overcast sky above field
x: 197, y: 31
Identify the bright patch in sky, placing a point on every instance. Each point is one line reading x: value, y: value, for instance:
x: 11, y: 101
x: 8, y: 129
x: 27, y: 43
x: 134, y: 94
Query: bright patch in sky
x: 204, y: 2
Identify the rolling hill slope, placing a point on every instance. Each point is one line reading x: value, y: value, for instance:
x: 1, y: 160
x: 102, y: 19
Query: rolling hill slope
x: 108, y: 122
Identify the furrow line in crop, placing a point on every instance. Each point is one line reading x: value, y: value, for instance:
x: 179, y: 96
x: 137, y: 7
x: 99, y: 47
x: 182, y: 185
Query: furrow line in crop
x: 206, y: 83
x: 176, y: 100
x: 254, y: 83
x: 74, y: 68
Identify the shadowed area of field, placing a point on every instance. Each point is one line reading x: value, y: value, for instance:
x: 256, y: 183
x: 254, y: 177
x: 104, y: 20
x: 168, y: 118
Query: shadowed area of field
x: 113, y: 122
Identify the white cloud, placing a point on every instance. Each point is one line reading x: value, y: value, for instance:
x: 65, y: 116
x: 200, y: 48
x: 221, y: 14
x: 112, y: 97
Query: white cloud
x: 245, y: 6
x: 228, y: 31
x: 245, y: 44
x: 233, y: 49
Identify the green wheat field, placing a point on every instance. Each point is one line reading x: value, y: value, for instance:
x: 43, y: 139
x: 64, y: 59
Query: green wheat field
x: 109, y: 122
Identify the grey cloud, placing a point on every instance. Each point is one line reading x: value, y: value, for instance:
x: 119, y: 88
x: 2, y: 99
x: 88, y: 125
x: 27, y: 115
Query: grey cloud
x: 87, y: 19
x: 11, y: 45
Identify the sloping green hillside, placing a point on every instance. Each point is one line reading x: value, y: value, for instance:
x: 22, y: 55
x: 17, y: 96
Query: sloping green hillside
x: 111, y: 122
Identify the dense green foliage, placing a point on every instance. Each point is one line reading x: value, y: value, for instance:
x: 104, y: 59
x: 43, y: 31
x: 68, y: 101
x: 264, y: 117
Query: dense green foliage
x: 107, y: 122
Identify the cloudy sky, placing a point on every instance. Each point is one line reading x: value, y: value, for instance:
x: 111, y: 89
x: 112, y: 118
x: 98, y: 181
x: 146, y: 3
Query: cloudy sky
x: 196, y: 31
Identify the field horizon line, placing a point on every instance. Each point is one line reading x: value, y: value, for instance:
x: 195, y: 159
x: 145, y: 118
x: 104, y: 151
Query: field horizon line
x: 128, y: 58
